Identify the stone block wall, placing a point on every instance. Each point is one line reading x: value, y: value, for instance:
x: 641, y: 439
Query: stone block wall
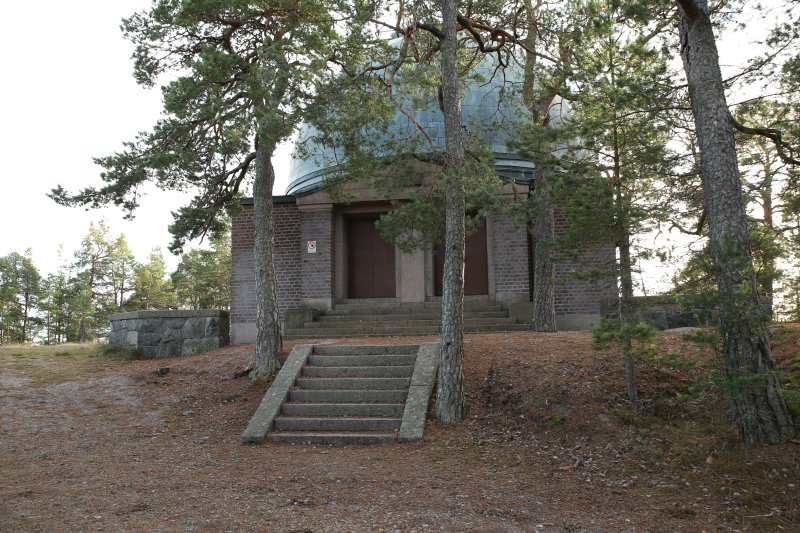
x: 158, y: 334
x: 664, y: 312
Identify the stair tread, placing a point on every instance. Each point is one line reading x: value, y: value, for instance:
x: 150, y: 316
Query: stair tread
x: 336, y: 433
x: 323, y: 438
x: 329, y: 418
x: 297, y: 388
x: 340, y: 367
x: 343, y: 404
x: 349, y: 378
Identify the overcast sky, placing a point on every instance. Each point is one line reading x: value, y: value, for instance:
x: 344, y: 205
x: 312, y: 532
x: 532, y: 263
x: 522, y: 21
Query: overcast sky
x: 68, y: 95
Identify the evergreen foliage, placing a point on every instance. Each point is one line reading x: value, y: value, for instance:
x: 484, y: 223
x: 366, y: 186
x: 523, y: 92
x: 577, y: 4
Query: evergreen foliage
x: 20, y: 292
x: 152, y: 288
x: 244, y: 75
x: 202, y: 278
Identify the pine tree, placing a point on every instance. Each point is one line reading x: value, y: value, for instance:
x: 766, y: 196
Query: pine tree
x: 122, y: 265
x: 202, y: 278
x: 758, y: 408
x: 614, y: 158
x: 427, y: 62
x: 91, y: 297
x: 152, y: 289
x: 20, y: 294
x: 244, y: 74
x: 55, y: 307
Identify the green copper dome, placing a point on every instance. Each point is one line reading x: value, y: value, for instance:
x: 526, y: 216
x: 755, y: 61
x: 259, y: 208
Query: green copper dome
x: 491, y: 108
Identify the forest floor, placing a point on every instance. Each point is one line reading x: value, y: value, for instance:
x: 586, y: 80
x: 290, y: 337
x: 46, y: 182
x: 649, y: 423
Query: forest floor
x: 89, y: 443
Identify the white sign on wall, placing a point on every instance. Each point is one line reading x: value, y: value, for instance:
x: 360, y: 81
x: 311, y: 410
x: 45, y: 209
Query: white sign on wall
x: 312, y: 247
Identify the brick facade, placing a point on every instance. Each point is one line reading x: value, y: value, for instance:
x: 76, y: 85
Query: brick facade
x: 573, y: 296
x: 243, y: 299
x: 286, y: 219
x: 287, y: 254
x: 317, y: 272
x: 310, y: 279
x: 511, y: 260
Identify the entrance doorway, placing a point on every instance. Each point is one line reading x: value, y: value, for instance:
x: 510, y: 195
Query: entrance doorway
x: 476, y: 266
x: 370, y: 260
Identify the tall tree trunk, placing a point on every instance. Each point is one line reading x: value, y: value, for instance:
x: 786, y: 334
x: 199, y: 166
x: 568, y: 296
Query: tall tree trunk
x: 542, y: 226
x: 268, y: 340
x: 766, y: 204
x: 450, y: 405
x: 25, y: 311
x: 626, y: 310
x: 543, y: 233
x: 757, y: 406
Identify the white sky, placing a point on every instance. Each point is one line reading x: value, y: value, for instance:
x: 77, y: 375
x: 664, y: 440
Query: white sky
x: 68, y: 95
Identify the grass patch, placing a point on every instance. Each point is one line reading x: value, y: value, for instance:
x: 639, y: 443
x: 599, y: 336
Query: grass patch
x: 45, y: 365
x: 113, y: 352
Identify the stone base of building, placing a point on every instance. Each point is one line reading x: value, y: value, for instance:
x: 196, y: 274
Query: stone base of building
x: 520, y: 313
x: 244, y: 333
x: 577, y: 322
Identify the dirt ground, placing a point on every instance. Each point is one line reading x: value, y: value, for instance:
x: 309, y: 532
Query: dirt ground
x: 550, y: 444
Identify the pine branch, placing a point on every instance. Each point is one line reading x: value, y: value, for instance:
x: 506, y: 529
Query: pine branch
x: 785, y: 151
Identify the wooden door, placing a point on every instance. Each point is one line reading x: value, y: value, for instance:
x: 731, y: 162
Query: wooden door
x: 476, y: 265
x: 370, y: 261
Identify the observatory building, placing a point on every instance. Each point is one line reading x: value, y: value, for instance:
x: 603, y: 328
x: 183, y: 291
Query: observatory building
x: 334, y: 269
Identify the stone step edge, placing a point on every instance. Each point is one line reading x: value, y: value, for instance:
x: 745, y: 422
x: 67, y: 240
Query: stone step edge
x: 344, y: 390
x: 333, y: 333
x: 366, y: 349
x: 342, y: 409
x: 405, y: 323
x: 340, y: 405
x: 332, y: 438
x: 337, y: 418
x: 270, y: 406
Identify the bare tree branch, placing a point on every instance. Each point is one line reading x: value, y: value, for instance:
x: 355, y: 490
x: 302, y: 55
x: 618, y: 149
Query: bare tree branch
x: 785, y: 151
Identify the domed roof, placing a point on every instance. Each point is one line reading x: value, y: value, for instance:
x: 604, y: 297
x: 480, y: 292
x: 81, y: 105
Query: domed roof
x: 491, y: 108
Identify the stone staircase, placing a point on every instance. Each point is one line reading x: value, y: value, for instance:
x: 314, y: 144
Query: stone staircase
x: 387, y: 317
x: 347, y: 395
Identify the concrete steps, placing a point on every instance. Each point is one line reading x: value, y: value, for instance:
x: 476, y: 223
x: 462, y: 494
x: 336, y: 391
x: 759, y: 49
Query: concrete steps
x: 347, y: 395
x: 331, y: 438
x: 387, y: 317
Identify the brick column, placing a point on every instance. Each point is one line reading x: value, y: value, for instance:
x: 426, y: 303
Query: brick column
x: 286, y: 220
x: 511, y: 268
x: 317, y: 272
x: 243, y: 299
x: 578, y: 302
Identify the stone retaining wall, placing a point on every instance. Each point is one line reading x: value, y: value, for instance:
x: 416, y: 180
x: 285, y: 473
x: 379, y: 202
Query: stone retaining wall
x: 662, y: 312
x: 157, y: 334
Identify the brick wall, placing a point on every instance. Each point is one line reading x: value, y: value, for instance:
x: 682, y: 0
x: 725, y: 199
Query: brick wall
x: 575, y: 296
x: 309, y: 279
x: 511, y: 259
x: 286, y: 219
x: 317, y: 272
x: 243, y: 300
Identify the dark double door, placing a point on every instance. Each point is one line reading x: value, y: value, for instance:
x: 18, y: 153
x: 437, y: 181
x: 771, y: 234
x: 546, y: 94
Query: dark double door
x: 476, y: 266
x: 370, y: 261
